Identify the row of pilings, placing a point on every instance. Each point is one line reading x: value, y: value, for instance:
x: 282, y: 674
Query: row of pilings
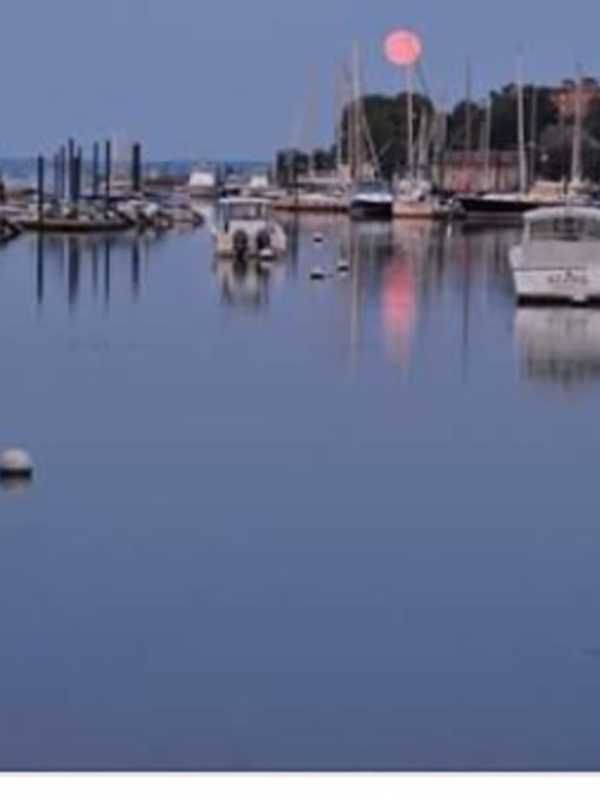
x: 73, y: 178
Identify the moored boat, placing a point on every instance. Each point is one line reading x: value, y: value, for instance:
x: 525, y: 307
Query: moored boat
x: 371, y: 200
x: 245, y: 228
x: 202, y: 183
x: 559, y: 256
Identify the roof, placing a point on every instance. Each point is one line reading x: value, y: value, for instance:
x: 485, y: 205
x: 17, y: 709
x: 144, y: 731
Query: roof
x: 562, y: 212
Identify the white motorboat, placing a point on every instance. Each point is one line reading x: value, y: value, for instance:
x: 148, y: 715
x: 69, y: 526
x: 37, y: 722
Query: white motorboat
x: 372, y: 200
x: 202, y: 183
x: 245, y: 228
x: 559, y: 257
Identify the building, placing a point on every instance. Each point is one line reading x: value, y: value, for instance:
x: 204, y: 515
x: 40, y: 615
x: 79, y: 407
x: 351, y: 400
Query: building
x: 565, y: 97
x: 478, y: 172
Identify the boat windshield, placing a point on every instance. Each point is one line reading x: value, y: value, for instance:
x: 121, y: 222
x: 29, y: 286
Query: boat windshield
x: 245, y: 211
x: 371, y: 186
x: 566, y: 229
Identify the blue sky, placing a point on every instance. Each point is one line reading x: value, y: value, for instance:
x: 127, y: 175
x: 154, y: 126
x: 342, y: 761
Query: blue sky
x: 198, y: 79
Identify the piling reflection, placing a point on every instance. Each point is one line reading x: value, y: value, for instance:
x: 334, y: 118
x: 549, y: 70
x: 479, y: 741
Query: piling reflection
x: 559, y: 346
x: 85, y: 263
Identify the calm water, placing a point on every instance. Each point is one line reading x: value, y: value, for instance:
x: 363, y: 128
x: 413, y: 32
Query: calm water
x: 286, y: 525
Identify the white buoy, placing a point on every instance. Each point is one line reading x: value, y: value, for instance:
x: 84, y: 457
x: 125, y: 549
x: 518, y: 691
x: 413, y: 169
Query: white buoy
x: 343, y: 267
x: 318, y: 238
x: 16, y: 463
x: 317, y: 274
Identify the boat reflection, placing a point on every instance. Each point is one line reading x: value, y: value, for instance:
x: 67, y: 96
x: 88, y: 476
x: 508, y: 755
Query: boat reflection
x: 559, y: 345
x: 15, y: 485
x: 244, y: 284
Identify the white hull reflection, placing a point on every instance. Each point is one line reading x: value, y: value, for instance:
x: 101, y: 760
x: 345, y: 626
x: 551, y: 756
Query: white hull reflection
x: 559, y: 345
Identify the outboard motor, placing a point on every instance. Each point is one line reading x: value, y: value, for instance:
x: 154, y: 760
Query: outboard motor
x: 240, y: 245
x: 263, y: 240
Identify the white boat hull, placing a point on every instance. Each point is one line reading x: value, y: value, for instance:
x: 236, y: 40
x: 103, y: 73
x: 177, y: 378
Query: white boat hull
x: 568, y: 282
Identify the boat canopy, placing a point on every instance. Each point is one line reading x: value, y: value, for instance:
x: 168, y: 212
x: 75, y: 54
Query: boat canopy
x: 564, y: 223
x: 244, y: 208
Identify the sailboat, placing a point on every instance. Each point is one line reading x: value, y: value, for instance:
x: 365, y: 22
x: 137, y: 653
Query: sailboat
x: 370, y: 197
x: 509, y: 206
x: 414, y: 198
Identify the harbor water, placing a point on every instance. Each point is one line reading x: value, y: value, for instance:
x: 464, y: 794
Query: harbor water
x: 279, y: 524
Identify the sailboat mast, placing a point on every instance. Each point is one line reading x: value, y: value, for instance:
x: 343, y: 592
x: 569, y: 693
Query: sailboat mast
x: 339, y: 112
x: 521, y: 126
x: 488, y: 143
x: 410, y: 122
x: 356, y: 116
x: 533, y: 143
x: 576, y: 165
x: 441, y: 135
x: 469, y: 110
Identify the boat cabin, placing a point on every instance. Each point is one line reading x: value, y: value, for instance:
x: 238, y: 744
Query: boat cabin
x: 565, y: 236
x: 564, y: 224
x: 244, y: 209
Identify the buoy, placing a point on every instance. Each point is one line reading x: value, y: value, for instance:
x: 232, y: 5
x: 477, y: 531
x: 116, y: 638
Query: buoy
x: 16, y: 464
x: 317, y: 275
x: 343, y: 267
x: 318, y: 238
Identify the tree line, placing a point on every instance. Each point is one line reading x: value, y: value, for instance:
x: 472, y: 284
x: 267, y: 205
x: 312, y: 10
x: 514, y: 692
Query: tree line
x: 469, y: 126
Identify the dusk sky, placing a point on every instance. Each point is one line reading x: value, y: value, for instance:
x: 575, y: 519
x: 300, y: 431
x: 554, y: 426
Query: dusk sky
x: 231, y: 79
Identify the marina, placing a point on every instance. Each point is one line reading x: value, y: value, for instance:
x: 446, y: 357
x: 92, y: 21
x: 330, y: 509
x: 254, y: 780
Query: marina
x: 300, y: 369
x: 171, y: 380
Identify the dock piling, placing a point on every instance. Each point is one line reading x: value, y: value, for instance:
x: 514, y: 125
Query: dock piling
x: 41, y: 164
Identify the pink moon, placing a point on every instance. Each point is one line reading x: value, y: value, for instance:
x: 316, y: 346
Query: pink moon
x: 403, y: 48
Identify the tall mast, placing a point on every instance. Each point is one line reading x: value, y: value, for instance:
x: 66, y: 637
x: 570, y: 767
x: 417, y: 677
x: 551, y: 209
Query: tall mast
x: 468, y: 109
x: 356, y: 117
x: 441, y: 135
x: 339, y: 111
x: 521, y: 126
x: 486, y: 144
x: 533, y: 135
x: 576, y: 165
x: 423, y: 161
x: 410, y: 120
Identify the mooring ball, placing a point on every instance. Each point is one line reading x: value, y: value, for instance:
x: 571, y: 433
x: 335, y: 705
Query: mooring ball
x: 15, y: 462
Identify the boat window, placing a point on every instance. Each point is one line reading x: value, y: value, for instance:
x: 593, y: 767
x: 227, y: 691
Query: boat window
x: 245, y: 211
x: 371, y: 186
x: 566, y: 229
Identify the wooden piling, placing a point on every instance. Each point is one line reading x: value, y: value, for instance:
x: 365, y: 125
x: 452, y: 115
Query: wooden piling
x: 108, y: 172
x: 41, y: 164
x: 71, y: 169
x: 96, y: 170
x: 136, y: 168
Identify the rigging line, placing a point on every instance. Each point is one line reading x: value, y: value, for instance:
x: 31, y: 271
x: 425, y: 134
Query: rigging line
x: 421, y: 75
